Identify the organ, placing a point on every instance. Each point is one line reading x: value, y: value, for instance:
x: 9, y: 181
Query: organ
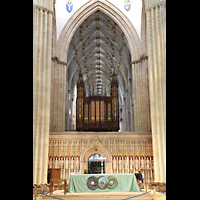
x: 97, y: 113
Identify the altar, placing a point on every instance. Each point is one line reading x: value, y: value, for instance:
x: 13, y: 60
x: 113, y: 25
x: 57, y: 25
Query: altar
x: 103, y: 183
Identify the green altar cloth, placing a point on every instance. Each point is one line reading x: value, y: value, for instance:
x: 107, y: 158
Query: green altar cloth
x: 121, y: 183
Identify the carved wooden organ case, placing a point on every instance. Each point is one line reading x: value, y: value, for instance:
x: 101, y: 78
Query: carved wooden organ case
x: 97, y: 113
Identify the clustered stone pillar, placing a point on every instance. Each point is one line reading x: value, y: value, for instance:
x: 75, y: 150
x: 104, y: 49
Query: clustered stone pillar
x: 42, y: 44
x: 156, y: 27
x: 140, y: 95
x: 58, y: 96
x: 132, y: 129
x: 67, y: 104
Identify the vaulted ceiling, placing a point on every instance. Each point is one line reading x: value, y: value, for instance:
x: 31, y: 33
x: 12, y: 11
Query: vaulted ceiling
x: 98, y: 47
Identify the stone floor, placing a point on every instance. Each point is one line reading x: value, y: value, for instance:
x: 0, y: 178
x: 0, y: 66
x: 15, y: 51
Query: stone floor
x: 103, y: 196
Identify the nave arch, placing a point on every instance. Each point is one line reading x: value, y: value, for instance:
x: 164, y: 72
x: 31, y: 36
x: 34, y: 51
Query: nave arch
x: 83, y: 13
x: 125, y: 75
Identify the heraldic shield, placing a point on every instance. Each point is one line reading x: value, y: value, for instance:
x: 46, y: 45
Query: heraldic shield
x: 127, y: 5
x: 69, y: 6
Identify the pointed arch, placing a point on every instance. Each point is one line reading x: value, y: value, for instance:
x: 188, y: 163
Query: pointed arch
x: 99, y: 149
x: 84, y: 12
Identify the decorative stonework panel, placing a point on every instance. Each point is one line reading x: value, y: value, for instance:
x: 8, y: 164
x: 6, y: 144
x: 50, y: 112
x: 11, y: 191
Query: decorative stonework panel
x: 129, y: 151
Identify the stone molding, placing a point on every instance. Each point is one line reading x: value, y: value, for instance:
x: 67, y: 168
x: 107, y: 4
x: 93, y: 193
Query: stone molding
x: 43, y: 9
x: 163, y: 3
x: 58, y: 61
x: 72, y: 134
x: 142, y: 57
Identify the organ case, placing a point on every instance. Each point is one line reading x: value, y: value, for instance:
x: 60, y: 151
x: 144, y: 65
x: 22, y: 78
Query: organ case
x: 97, y: 113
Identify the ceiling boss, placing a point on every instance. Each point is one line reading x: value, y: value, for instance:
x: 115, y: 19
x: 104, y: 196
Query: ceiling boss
x: 127, y: 5
x: 69, y: 6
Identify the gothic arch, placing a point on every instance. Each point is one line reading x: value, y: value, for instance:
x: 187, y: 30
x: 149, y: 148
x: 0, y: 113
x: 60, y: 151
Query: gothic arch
x: 84, y: 12
x: 97, y: 149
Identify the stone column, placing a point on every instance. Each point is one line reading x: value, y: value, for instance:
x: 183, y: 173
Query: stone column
x: 55, y: 99
x: 44, y: 109
x: 124, y: 114
x: 162, y: 47
x: 155, y: 85
x: 42, y: 39
x: 131, y: 106
x: 68, y: 107
x: 66, y: 103
x: 139, y: 96
x: 127, y: 112
x: 58, y: 97
x: 39, y: 92
x: 151, y: 88
x: 35, y: 88
x: 130, y: 102
x: 163, y: 14
x: 134, y: 94
x: 53, y: 63
x: 156, y: 65
x: 72, y: 111
x: 64, y: 98
x: 132, y: 99
x: 148, y: 98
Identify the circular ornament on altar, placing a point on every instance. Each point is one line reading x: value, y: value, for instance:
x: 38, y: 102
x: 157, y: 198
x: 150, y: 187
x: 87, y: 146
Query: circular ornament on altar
x: 92, y: 182
x: 102, y: 182
x: 112, y: 182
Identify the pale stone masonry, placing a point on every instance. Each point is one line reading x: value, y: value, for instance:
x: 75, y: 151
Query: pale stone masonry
x: 144, y: 91
x: 70, y: 151
x: 42, y: 45
x: 156, y: 36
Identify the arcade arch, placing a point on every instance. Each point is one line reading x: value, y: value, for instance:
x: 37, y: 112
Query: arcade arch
x: 99, y: 39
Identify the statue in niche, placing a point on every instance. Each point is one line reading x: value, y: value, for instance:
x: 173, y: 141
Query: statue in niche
x: 72, y: 163
x: 61, y: 162
x: 137, y: 163
x: 56, y: 162
x: 114, y: 163
x: 77, y: 163
x: 142, y: 162
x: 147, y: 161
x: 120, y: 163
x: 131, y: 164
x: 126, y: 163
x: 66, y: 163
